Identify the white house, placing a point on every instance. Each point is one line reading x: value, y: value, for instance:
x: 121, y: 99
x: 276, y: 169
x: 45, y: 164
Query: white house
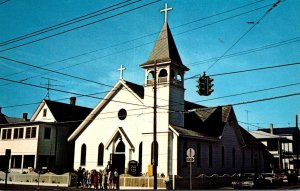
x: 120, y: 128
x: 42, y: 141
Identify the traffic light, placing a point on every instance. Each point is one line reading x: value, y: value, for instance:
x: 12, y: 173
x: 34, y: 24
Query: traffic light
x: 209, y: 85
x: 202, y: 85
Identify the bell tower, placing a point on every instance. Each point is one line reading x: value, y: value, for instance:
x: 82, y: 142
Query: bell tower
x: 169, y: 79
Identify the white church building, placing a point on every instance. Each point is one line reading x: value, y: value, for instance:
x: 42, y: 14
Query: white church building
x: 120, y: 127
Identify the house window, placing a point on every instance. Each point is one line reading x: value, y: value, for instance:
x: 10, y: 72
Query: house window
x: 28, y: 161
x: 223, y: 157
x: 199, y: 155
x: 18, y: 133
x: 30, y: 132
x: 233, y: 157
x: 210, y: 155
x: 6, y: 134
x: 83, y: 155
x: 100, y: 154
x: 47, y: 133
x: 44, y: 112
x: 16, y: 161
x: 33, y: 132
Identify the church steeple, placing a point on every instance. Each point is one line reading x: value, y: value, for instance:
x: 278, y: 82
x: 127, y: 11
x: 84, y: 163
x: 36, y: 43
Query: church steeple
x: 165, y: 50
x: 165, y: 65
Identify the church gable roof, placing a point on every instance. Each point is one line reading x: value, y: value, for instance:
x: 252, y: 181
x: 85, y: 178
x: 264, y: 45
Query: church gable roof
x: 136, y: 90
x: 165, y: 49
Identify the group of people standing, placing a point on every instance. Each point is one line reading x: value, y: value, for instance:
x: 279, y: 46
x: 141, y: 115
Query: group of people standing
x: 102, y: 179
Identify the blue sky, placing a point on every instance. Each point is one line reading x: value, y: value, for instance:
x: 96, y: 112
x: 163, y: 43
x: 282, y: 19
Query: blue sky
x: 128, y: 39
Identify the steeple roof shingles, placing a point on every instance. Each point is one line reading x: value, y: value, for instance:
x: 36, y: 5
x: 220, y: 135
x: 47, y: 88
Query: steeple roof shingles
x: 165, y: 49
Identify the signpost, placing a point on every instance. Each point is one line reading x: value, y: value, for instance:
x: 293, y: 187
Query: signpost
x: 190, y: 153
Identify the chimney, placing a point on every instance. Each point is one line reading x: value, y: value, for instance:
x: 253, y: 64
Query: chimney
x: 0, y: 110
x: 25, y: 115
x: 271, y: 128
x: 72, y: 100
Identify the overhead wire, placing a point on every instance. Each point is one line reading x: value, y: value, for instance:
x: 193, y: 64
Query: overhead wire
x: 272, y: 45
x: 133, y: 47
x: 250, y: 70
x: 79, y: 27
x: 1, y: 3
x: 66, y: 23
x: 249, y: 92
x: 247, y: 32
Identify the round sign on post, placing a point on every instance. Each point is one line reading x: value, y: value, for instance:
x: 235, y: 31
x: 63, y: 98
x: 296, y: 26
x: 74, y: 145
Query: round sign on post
x: 190, y: 152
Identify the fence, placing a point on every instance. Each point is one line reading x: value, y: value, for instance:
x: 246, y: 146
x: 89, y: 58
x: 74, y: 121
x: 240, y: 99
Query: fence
x: 32, y: 178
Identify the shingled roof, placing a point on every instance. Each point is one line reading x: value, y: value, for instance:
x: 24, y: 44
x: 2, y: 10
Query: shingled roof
x: 165, y: 50
x: 63, y: 112
x: 138, y: 89
x: 209, y: 121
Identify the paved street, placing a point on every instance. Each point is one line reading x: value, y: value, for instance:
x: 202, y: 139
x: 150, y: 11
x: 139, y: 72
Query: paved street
x: 30, y: 187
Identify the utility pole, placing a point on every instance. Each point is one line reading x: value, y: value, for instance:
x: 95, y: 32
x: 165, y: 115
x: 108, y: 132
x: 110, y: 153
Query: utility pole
x: 297, y: 146
x: 154, y: 157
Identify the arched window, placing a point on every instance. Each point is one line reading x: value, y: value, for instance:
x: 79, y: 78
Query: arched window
x: 100, y: 154
x: 120, y: 147
x: 210, y: 155
x: 150, y: 78
x: 223, y: 157
x: 233, y: 157
x: 173, y: 75
x: 198, y: 155
x: 179, y: 77
x: 141, y: 156
x: 163, y: 73
x: 184, y: 163
x: 83, y: 155
x: 150, y: 75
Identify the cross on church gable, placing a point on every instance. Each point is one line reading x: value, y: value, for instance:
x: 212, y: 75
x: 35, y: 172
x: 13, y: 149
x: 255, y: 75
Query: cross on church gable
x: 121, y: 71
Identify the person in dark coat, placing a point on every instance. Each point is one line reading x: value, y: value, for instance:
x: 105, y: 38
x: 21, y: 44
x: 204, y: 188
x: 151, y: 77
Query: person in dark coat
x: 80, y: 178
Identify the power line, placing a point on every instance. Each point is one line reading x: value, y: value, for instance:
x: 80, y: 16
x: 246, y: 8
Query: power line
x: 239, y: 39
x: 249, y: 92
x: 1, y: 3
x: 64, y: 91
x: 272, y: 45
x: 249, y: 70
x: 135, y: 46
x: 256, y: 69
x: 53, y: 71
x: 81, y: 26
x: 67, y: 23
x: 266, y: 99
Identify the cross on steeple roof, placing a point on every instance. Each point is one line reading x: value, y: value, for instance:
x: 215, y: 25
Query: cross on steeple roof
x: 166, y: 9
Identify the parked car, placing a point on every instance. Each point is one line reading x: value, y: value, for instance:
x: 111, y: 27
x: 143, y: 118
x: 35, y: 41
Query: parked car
x: 250, y: 181
x: 273, y: 179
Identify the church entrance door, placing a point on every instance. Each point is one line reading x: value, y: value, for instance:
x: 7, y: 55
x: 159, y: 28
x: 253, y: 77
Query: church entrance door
x: 118, y: 161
